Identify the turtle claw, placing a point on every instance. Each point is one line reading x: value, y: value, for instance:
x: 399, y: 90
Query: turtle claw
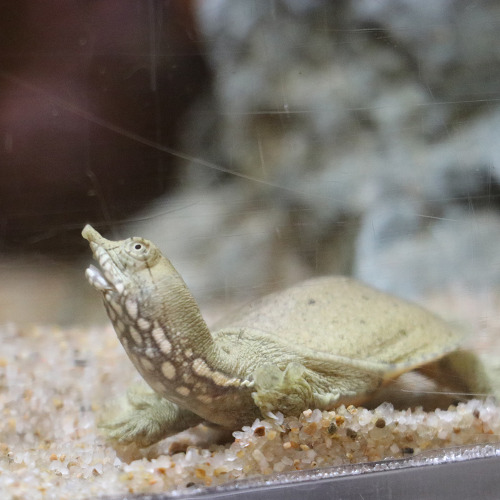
x: 144, y: 418
x: 286, y: 391
x: 132, y: 420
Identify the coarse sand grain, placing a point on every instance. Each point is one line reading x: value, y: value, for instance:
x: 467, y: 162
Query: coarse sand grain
x: 55, y: 381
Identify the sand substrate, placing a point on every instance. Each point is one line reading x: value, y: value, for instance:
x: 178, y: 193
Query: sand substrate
x: 54, y: 382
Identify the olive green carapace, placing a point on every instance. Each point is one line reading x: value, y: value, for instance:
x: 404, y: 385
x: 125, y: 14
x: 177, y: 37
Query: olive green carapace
x: 321, y: 343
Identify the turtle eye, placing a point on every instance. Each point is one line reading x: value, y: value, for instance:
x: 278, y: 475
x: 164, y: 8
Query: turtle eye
x: 138, y: 249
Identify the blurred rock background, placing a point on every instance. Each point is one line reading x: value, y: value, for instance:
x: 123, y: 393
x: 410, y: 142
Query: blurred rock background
x: 316, y: 137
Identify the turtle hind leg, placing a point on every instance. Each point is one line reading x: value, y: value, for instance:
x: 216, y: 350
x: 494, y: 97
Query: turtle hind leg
x: 460, y: 372
x: 456, y: 377
x: 143, y: 418
x: 469, y: 368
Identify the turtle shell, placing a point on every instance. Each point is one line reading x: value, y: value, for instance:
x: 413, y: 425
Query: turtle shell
x: 342, y: 317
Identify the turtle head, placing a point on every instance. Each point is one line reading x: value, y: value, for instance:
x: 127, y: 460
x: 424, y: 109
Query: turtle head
x: 154, y: 314
x: 125, y: 265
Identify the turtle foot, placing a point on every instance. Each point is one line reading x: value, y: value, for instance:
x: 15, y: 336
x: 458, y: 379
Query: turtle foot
x: 143, y: 418
x: 286, y: 391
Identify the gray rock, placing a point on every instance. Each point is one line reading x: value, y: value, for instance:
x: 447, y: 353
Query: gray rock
x: 223, y: 244
x: 459, y: 249
x: 345, y: 137
x: 451, y: 44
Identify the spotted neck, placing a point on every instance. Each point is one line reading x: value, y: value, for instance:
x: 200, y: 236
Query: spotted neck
x: 167, y: 339
x: 161, y: 328
x: 160, y: 316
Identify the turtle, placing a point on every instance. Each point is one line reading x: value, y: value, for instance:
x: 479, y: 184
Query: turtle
x: 321, y: 343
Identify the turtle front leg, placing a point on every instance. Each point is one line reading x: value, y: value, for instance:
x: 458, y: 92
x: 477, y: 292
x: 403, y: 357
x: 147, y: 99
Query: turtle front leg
x: 143, y: 417
x: 290, y: 391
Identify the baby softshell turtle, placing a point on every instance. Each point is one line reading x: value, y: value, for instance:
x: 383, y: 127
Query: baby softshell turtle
x: 318, y: 344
